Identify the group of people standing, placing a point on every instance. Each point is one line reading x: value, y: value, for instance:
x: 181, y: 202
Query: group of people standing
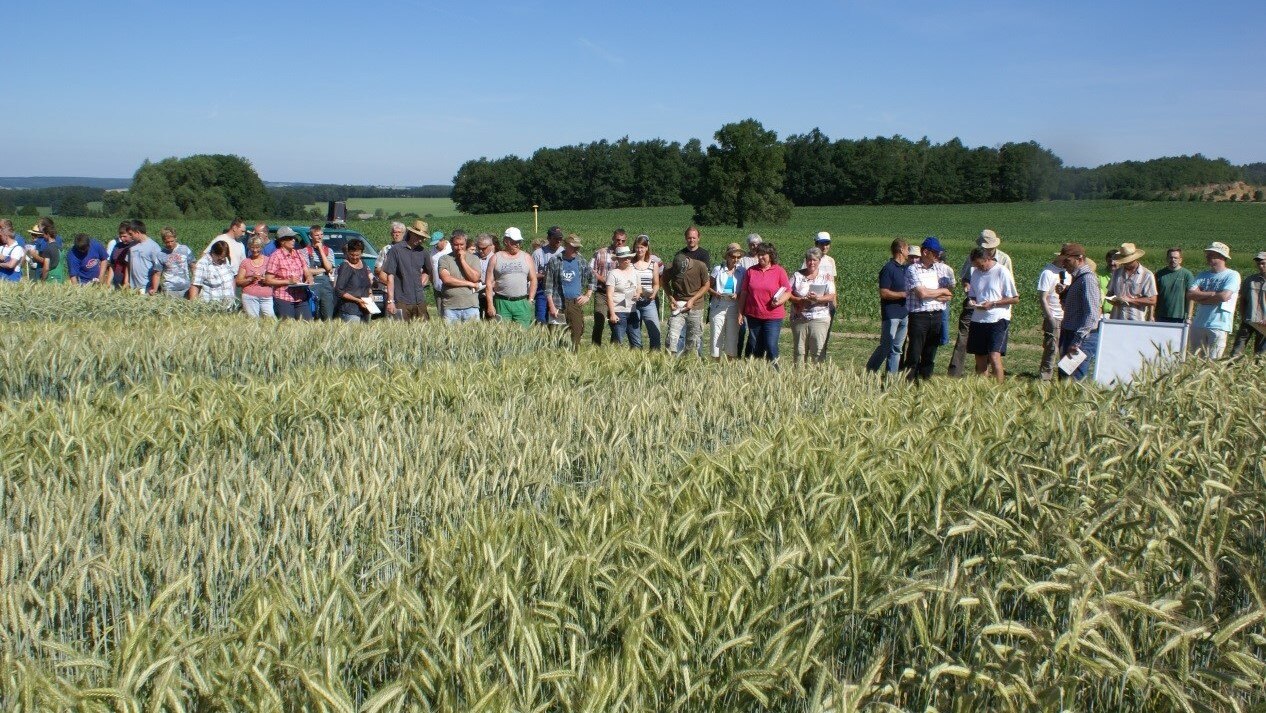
x: 916, y: 287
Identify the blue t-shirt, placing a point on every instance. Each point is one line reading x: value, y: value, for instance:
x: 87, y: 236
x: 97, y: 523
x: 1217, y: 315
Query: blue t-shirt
x: 570, y: 272
x: 893, y: 277
x: 144, y: 259
x: 85, y: 268
x: 1216, y: 317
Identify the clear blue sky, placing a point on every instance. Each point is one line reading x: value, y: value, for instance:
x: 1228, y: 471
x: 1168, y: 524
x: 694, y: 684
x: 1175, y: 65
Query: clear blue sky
x: 403, y: 93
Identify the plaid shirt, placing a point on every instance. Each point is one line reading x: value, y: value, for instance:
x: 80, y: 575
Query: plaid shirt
x: 929, y: 278
x: 216, y: 281
x: 554, y: 278
x: 1082, y: 300
x: 290, y: 266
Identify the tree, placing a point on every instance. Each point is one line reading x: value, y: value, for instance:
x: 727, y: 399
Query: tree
x: 202, y: 186
x: 812, y: 176
x: 743, y: 177
x: 1027, y: 172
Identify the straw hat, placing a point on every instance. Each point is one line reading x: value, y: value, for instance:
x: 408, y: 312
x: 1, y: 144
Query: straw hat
x: 1127, y: 253
x: 420, y: 229
x: 988, y: 239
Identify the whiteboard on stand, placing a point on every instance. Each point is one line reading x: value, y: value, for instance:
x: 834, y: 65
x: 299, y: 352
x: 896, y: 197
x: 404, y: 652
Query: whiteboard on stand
x: 1125, y: 347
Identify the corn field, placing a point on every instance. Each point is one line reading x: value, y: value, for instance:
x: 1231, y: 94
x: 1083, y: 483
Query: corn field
x: 205, y: 513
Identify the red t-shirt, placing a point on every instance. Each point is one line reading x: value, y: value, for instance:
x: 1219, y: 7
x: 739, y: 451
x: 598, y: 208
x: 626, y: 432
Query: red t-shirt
x: 759, y: 287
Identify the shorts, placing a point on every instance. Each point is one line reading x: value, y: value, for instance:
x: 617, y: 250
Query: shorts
x: 985, y: 338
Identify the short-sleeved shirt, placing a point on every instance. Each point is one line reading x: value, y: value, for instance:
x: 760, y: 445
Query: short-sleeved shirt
x: 623, y: 285
x: 286, y: 266
x: 408, y: 265
x: 1141, y: 284
x: 892, y: 276
x: 1053, y: 276
x: 251, y: 269
x: 49, y: 250
x: 996, y: 283
x: 686, y: 278
x: 176, y: 268
x: 1171, y: 292
x: 1220, y: 316
x: 86, y: 267
x: 144, y: 259
x: 237, y: 251
x: 314, y: 263
x: 459, y: 297
x: 759, y: 287
x: 543, y: 255
x: 801, y: 286
x: 119, y: 250
x: 215, y: 281
x: 697, y: 254
x: 939, y: 276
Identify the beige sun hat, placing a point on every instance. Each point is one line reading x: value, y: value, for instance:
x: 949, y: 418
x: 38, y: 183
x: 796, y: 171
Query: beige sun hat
x: 1127, y: 253
x: 1219, y: 248
x: 988, y: 239
x: 420, y: 229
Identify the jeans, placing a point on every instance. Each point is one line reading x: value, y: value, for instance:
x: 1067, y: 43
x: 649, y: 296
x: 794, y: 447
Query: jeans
x: 689, y: 325
x: 542, y: 306
x: 622, y: 331
x: 892, y: 340
x: 257, y: 306
x: 764, y: 334
x: 291, y: 310
x: 646, y: 314
x: 463, y: 314
x: 725, y: 328
x: 354, y: 317
x: 1088, y: 346
x: 924, y: 330
x: 323, y: 300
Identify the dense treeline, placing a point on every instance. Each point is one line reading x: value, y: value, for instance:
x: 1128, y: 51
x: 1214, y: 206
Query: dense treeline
x: 821, y: 171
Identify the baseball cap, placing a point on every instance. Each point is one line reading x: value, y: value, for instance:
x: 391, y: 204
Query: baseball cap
x: 823, y: 237
x: 285, y: 231
x: 1259, y: 257
x: 913, y: 251
x: 932, y: 243
x: 554, y: 232
x: 515, y: 234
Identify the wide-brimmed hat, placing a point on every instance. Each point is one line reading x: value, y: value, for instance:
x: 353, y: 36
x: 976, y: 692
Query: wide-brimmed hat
x: 1219, y: 248
x: 1128, y: 253
x: 734, y: 249
x: 37, y: 230
x: 572, y: 241
x: 420, y: 229
x: 988, y: 239
x: 622, y: 252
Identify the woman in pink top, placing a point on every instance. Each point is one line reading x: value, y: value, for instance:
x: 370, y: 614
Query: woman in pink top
x: 766, y: 288
x: 287, y: 273
x: 257, y: 298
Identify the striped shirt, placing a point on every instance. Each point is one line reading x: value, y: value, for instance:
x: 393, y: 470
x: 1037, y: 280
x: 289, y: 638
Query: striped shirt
x: 929, y: 278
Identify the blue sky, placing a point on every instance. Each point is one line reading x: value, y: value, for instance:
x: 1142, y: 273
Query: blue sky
x: 403, y: 92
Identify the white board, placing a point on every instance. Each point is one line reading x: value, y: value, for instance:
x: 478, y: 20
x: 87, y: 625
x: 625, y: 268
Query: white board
x: 1124, y: 347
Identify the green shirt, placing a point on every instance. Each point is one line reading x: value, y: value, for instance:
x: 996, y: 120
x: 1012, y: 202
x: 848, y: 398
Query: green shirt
x: 1171, y: 292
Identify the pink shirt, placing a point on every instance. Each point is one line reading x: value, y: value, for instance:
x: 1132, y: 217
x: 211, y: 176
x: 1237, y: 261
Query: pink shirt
x: 257, y: 289
x: 759, y: 287
x: 288, y: 266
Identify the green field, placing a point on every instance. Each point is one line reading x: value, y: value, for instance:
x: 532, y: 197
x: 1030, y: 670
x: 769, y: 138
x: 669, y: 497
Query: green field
x: 438, y: 207
x: 1030, y: 233
x: 202, y: 512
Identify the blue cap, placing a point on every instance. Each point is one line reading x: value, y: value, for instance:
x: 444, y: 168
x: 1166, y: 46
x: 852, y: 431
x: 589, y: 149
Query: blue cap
x: 437, y: 236
x: 931, y: 243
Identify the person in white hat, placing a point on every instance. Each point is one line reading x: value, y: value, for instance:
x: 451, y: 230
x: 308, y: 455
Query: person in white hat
x: 1252, y: 310
x: 987, y: 240
x: 1215, y: 293
x: 511, y: 281
x: 1132, y: 287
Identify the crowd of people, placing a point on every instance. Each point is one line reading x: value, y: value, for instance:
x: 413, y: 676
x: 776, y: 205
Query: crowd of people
x: 745, y: 297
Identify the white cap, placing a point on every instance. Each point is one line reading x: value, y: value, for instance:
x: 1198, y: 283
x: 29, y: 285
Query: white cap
x: 514, y: 234
x: 823, y: 237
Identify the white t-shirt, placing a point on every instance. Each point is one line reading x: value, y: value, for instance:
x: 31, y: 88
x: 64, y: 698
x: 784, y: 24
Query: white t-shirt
x: 1051, y: 276
x: 624, y: 284
x: 237, y: 251
x: 826, y: 266
x: 995, y: 283
x: 801, y: 286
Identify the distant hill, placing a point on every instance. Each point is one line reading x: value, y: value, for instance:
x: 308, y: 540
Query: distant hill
x: 55, y: 181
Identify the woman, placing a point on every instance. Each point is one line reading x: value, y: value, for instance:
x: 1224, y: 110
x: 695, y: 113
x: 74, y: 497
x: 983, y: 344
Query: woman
x: 257, y: 297
x: 812, y: 297
x: 726, y: 298
x: 624, y: 287
x: 765, y: 289
x: 646, y: 310
x: 353, y: 284
x: 286, y: 272
x: 175, y: 262
x: 213, y: 276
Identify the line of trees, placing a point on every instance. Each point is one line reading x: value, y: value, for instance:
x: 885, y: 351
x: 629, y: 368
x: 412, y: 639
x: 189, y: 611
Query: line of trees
x: 807, y: 169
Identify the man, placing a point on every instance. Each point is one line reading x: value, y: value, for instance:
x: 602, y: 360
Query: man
x: 118, y: 248
x: 987, y: 240
x: 145, y: 260
x: 893, y: 314
x: 1252, y: 310
x: 929, y: 287
x: 397, y: 235
x: 407, y: 275
x: 1051, y: 283
x: 569, y: 283
x: 511, y: 282
x: 233, y: 237
x: 541, y: 256
x: 687, y: 285
x: 440, y: 247
x: 86, y: 261
x: 1110, y: 261
x: 44, y: 252
x: 485, y: 247
x: 993, y: 292
x: 692, y: 249
x: 1078, y: 333
x: 11, y: 254
x: 320, y: 261
x: 176, y: 261
x: 1215, y: 293
x: 604, y: 262
x: 459, y: 273
x: 1172, y: 283
x: 270, y: 246
x: 1132, y: 287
